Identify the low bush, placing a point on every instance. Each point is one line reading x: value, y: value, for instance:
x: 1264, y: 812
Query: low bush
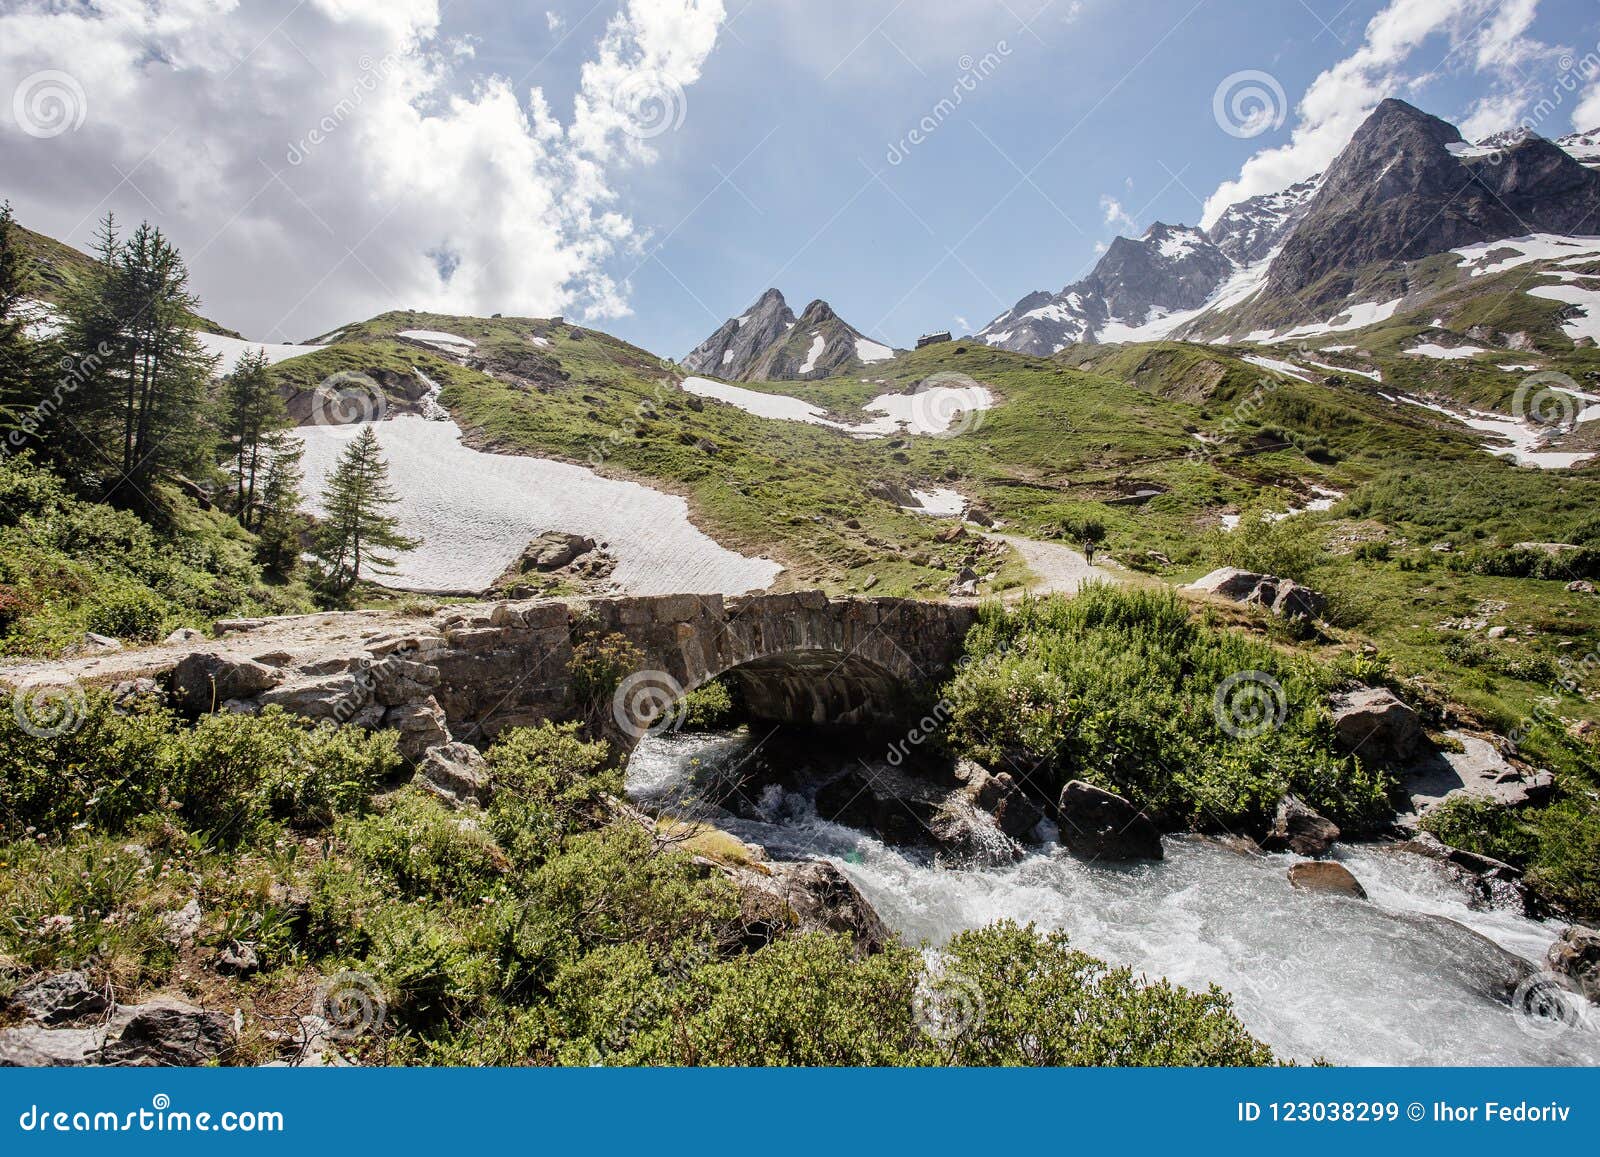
x: 1124, y: 689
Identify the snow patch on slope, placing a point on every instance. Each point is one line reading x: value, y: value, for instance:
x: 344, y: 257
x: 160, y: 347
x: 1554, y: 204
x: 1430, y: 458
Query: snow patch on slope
x: 231, y: 349
x: 477, y: 512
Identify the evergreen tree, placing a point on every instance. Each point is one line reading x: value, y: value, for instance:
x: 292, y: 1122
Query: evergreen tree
x: 356, y: 524
x: 250, y: 414
x: 278, y: 521
x: 139, y: 372
x: 25, y: 359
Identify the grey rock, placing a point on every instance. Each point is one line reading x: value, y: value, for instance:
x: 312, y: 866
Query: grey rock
x: 787, y: 898
x: 61, y: 998
x: 909, y: 810
x: 1373, y: 723
x: 203, y: 681
x: 33, y: 1046
x: 1098, y: 824
x: 1283, y: 597
x: 1002, y: 797
x: 239, y: 959
x: 1299, y: 829
x: 456, y: 773
x: 167, y: 1031
x: 183, y: 925
x: 185, y: 635
x: 1577, y: 955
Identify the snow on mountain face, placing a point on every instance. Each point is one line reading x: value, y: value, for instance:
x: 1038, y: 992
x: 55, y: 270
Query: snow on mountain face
x: 1252, y: 229
x: 734, y: 350
x: 1171, y: 268
x: 1407, y: 187
x: 1583, y: 147
x: 768, y: 343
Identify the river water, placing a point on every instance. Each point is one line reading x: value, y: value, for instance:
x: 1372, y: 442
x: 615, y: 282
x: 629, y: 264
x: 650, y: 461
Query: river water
x: 1382, y: 981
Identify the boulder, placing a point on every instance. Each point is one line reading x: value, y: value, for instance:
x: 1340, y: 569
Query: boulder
x: 1283, y: 597
x: 455, y: 772
x: 33, y: 1046
x: 552, y: 551
x: 821, y: 898
x: 167, y: 1031
x: 910, y: 810
x: 1373, y: 723
x: 129, y: 693
x: 1101, y: 825
x: 1002, y: 797
x: 1325, y: 876
x: 1452, y: 951
x: 61, y: 998
x: 184, y: 635
x: 1489, y: 882
x: 1297, y: 828
x: 182, y: 925
x: 203, y: 681
x: 1577, y: 955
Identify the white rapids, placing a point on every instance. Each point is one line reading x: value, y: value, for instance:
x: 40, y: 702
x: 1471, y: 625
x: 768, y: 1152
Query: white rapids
x: 1372, y: 982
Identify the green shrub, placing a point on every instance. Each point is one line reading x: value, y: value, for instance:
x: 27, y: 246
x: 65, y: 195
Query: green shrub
x: 1121, y: 687
x: 425, y: 850
x: 226, y: 775
x: 130, y: 613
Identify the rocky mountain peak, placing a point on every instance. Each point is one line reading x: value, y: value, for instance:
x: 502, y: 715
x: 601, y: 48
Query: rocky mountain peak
x: 1408, y: 186
x: 738, y: 345
x: 769, y: 343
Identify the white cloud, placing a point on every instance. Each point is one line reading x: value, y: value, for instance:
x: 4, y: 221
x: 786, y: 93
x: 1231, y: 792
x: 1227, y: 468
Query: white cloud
x: 325, y: 161
x: 1115, y: 214
x: 1587, y: 115
x: 1486, y: 37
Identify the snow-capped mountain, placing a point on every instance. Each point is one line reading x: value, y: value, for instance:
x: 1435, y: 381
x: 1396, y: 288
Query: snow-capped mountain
x: 1406, y: 187
x: 769, y: 343
x: 1249, y: 231
x: 733, y: 351
x: 1583, y: 147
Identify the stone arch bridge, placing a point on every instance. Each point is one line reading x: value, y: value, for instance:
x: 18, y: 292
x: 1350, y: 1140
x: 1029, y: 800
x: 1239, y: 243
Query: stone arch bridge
x: 467, y: 673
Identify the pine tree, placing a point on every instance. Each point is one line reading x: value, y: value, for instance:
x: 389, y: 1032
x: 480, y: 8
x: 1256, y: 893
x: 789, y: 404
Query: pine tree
x: 139, y: 372
x: 250, y: 414
x: 355, y: 524
x: 277, y: 508
x: 25, y: 359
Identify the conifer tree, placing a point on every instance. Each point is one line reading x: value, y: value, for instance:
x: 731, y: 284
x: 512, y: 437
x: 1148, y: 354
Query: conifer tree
x: 140, y: 375
x: 25, y: 357
x: 277, y: 507
x: 356, y: 523
x: 250, y: 414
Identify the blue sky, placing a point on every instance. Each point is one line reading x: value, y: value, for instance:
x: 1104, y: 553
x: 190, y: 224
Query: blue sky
x: 483, y: 165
